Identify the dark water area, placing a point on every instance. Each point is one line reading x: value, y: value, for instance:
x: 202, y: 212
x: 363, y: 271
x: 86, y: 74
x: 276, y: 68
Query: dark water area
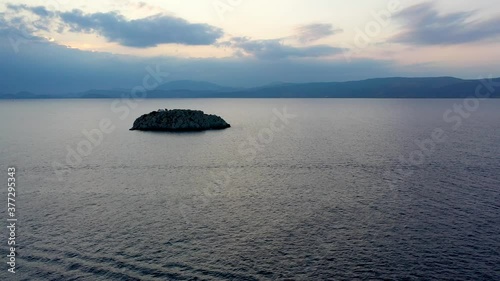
x: 296, y: 189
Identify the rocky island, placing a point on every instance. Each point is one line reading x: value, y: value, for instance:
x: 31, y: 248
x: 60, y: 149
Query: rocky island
x: 176, y: 120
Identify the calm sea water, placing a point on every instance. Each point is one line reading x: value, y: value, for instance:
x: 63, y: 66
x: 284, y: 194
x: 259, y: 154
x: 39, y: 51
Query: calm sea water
x: 341, y: 190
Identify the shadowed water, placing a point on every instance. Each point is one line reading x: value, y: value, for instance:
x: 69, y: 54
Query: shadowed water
x: 320, y: 196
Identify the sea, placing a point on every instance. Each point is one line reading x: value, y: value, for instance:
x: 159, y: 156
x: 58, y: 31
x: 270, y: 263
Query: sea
x: 296, y: 189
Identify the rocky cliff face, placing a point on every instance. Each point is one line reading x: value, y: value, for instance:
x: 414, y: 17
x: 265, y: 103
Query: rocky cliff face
x: 179, y: 120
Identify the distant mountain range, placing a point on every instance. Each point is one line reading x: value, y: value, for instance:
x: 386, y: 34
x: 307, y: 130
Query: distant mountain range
x: 194, y: 86
x: 436, y: 87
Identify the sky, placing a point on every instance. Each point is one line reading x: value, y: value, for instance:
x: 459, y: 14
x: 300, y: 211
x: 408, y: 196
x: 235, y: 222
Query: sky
x: 62, y: 46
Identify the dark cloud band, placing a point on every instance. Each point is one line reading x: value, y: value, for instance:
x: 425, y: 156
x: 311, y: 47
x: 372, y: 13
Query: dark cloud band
x: 139, y: 33
x: 313, y: 32
x: 275, y: 49
x: 423, y: 25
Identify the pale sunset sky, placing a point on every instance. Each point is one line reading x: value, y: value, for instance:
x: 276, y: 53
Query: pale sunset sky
x: 57, y: 46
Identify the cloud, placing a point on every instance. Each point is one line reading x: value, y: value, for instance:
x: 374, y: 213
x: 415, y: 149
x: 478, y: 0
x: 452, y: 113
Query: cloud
x: 313, y: 32
x: 48, y: 68
x: 276, y: 49
x: 423, y: 25
x: 139, y: 33
x: 39, y: 10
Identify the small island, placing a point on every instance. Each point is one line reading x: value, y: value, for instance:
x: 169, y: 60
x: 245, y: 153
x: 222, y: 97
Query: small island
x: 179, y: 120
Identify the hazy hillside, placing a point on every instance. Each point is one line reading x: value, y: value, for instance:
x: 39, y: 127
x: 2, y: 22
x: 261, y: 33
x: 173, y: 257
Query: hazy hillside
x: 438, y: 87
x: 194, y: 86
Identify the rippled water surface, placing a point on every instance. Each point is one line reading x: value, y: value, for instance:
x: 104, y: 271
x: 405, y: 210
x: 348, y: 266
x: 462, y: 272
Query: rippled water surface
x: 341, y: 191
